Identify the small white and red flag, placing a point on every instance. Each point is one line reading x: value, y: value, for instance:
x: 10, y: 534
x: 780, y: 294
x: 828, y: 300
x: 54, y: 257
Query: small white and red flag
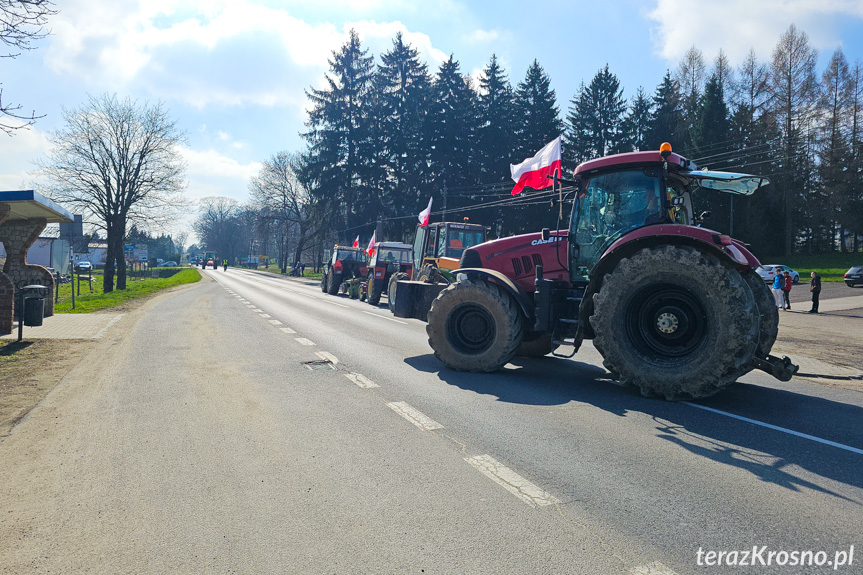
x: 533, y: 171
x: 356, y: 242
x: 371, y: 249
x: 424, y: 215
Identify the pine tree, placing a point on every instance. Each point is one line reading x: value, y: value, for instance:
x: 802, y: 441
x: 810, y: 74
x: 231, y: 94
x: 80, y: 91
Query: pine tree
x: 710, y: 141
x: 595, y: 124
x: 666, y: 119
x: 690, y: 80
x: 451, y: 131
x: 794, y: 89
x: 402, y: 84
x: 339, y: 137
x: 538, y: 123
x: 637, y: 122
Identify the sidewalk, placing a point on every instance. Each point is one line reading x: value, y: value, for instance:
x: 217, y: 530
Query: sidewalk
x: 840, y: 303
x: 68, y: 326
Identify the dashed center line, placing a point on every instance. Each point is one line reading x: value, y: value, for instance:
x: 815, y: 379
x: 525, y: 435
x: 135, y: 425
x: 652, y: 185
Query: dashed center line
x: 361, y: 380
x: 275, y: 322
x: 336, y: 303
x: 512, y: 481
x: 414, y: 416
x: 265, y: 315
x: 287, y: 330
x: 304, y: 341
x: 258, y: 310
x: 327, y: 356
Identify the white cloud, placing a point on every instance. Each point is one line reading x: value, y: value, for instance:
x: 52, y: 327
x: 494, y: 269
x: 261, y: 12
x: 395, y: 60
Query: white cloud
x: 482, y: 36
x: 738, y: 25
x: 225, y: 52
x: 18, y: 155
x: 210, y: 173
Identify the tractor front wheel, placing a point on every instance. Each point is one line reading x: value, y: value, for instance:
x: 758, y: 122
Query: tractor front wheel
x: 393, y: 286
x: 376, y: 288
x: 332, y: 284
x: 675, y: 322
x: 474, y: 326
x: 535, y: 345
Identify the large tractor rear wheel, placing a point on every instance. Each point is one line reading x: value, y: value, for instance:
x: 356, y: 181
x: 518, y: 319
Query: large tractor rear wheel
x: 376, y: 288
x: 324, y: 282
x: 675, y: 322
x: 332, y: 283
x: 393, y: 286
x: 431, y: 275
x: 474, y: 326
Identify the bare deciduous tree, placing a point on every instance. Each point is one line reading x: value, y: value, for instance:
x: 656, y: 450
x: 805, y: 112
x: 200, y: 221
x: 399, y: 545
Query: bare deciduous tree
x: 279, y: 192
x: 21, y: 23
x: 119, y: 162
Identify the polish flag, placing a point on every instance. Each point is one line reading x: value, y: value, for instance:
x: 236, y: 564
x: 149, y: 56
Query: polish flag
x: 533, y: 171
x: 371, y: 249
x: 356, y: 242
x: 424, y: 215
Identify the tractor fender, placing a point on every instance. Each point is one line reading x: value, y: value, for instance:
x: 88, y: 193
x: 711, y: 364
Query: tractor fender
x: 521, y: 297
x: 728, y: 250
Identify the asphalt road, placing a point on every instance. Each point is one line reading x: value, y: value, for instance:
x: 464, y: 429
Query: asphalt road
x: 201, y: 440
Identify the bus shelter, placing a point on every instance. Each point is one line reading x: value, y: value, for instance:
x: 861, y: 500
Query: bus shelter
x: 23, y: 216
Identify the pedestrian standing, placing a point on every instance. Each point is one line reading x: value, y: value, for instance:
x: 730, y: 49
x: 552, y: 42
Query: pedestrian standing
x: 303, y: 269
x: 777, y: 289
x: 815, y: 288
x: 787, y: 282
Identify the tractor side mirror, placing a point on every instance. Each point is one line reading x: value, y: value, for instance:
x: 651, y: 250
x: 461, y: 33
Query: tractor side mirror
x: 546, y: 234
x: 702, y: 217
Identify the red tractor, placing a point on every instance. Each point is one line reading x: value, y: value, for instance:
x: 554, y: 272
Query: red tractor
x: 674, y: 308
x: 389, y: 260
x: 346, y: 263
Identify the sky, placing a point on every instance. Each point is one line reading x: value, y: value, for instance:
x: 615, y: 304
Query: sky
x: 234, y: 73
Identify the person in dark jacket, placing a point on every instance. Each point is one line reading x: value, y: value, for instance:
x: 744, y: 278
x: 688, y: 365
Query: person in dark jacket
x: 787, y: 282
x: 815, y: 288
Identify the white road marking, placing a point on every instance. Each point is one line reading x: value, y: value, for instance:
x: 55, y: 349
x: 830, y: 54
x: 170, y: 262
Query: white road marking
x: 311, y: 296
x: 287, y: 330
x: 275, y: 322
x: 335, y: 303
x: 385, y: 317
x: 327, y: 356
x: 265, y: 315
x: 304, y: 341
x: 417, y: 418
x: 361, y: 380
x: 258, y: 310
x: 512, y: 481
x: 777, y: 428
x: 655, y: 568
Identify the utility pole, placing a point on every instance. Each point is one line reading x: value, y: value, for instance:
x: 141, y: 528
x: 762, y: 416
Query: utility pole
x: 443, y: 219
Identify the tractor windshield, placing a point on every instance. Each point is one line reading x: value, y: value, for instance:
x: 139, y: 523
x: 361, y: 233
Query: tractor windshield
x: 386, y: 255
x: 609, y: 206
x: 730, y: 183
x: 457, y: 239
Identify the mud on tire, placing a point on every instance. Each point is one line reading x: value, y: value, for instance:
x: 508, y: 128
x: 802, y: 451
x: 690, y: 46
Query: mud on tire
x: 675, y: 322
x: 474, y: 326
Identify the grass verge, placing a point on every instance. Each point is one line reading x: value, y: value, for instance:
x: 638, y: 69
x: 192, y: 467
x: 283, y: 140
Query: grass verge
x: 89, y: 301
x: 831, y: 267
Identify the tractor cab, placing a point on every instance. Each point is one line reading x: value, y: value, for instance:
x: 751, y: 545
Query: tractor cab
x: 442, y: 244
x: 619, y: 194
x: 391, y: 257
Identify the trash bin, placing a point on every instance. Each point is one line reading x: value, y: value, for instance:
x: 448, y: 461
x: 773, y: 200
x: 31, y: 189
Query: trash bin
x: 32, y: 305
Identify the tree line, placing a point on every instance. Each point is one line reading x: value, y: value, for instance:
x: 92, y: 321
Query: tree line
x: 382, y: 137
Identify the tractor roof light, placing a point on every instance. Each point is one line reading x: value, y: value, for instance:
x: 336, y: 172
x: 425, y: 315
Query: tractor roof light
x: 665, y: 150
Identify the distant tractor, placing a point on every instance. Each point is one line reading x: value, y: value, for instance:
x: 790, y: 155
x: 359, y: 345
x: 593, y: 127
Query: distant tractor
x: 346, y: 263
x: 209, y: 259
x: 675, y: 309
x: 437, y: 250
x: 388, y: 259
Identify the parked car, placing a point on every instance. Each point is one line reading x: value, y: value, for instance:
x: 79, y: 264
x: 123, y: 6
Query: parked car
x: 84, y: 266
x: 854, y: 276
x: 768, y: 272
x: 169, y: 265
